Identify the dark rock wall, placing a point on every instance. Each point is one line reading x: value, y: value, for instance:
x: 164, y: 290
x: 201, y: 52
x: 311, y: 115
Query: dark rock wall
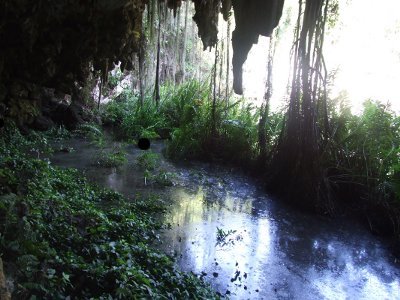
x: 55, y: 43
x: 58, y: 44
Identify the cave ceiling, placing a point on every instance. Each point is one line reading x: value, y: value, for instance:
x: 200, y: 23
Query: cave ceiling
x: 58, y: 43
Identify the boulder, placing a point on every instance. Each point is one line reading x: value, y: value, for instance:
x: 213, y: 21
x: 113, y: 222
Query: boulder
x: 42, y: 123
x: 4, y: 293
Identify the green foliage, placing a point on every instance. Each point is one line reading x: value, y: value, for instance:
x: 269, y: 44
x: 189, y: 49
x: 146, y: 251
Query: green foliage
x: 114, y: 78
x: 148, y: 160
x: 370, y: 148
x: 142, y: 120
x: 180, y: 105
x: 133, y: 120
x: 58, y: 133
x: 62, y: 237
x: 23, y: 110
x: 164, y: 178
x: 111, y: 158
x: 113, y: 112
x: 93, y: 132
x: 236, y: 135
x: 186, y: 111
x: 222, y: 236
x: 239, y: 131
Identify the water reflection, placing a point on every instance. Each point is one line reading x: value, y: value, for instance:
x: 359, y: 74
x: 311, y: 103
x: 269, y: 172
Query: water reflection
x: 287, y: 256
x: 275, y: 253
x: 195, y: 218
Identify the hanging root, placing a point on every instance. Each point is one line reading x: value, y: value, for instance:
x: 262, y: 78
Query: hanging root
x: 298, y: 167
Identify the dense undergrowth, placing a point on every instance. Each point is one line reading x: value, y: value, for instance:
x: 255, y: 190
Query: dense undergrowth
x: 360, y: 160
x: 64, y: 237
x: 368, y: 148
x: 185, y: 114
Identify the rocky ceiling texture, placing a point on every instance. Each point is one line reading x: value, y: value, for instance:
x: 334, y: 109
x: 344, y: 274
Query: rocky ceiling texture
x: 58, y: 43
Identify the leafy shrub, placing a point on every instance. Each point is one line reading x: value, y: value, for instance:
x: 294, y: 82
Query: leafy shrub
x: 58, y: 133
x: 148, y: 160
x: 239, y: 133
x: 164, y: 178
x: 93, y: 132
x: 113, y: 113
x: 133, y: 120
x: 369, y: 149
x: 64, y: 237
x: 114, y: 158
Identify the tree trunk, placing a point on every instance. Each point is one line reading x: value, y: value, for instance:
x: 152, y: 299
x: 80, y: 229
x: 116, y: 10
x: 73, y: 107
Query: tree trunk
x: 152, y: 10
x: 183, y: 54
x: 214, y: 104
x: 228, y: 45
x: 177, y: 41
x: 141, y: 56
x: 221, y: 67
x: 262, y: 133
x: 100, y: 90
x: 157, y: 83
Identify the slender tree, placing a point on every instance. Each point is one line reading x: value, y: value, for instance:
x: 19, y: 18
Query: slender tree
x: 264, y: 111
x: 177, y: 42
x: 100, y: 91
x: 185, y: 29
x: 214, y: 85
x: 221, y: 68
x: 228, y: 42
x: 157, y: 83
x: 152, y: 11
x: 142, y: 57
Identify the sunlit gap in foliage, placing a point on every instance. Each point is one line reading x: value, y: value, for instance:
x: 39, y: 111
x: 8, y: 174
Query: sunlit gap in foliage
x: 361, y: 53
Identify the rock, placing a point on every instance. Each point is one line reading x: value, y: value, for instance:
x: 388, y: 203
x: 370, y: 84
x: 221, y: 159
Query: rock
x: 3, y: 92
x: 164, y: 133
x: 72, y: 117
x: 85, y: 113
x: 252, y: 18
x: 380, y: 219
x: 4, y: 293
x: 34, y: 92
x: 33, y: 41
x: 17, y: 90
x: 206, y: 18
x: 42, y: 123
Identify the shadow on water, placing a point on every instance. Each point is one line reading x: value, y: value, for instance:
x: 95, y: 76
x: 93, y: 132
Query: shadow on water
x: 272, y: 251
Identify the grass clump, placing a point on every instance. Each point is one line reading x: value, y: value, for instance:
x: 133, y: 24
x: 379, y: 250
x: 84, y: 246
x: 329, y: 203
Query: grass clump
x: 131, y: 119
x: 367, y: 151
x: 115, y: 157
x: 64, y: 237
x: 148, y: 160
x: 93, y: 132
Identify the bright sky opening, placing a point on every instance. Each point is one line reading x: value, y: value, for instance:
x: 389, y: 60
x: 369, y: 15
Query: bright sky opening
x: 364, y: 48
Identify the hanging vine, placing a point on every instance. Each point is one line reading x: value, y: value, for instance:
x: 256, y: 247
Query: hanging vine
x: 298, y: 155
